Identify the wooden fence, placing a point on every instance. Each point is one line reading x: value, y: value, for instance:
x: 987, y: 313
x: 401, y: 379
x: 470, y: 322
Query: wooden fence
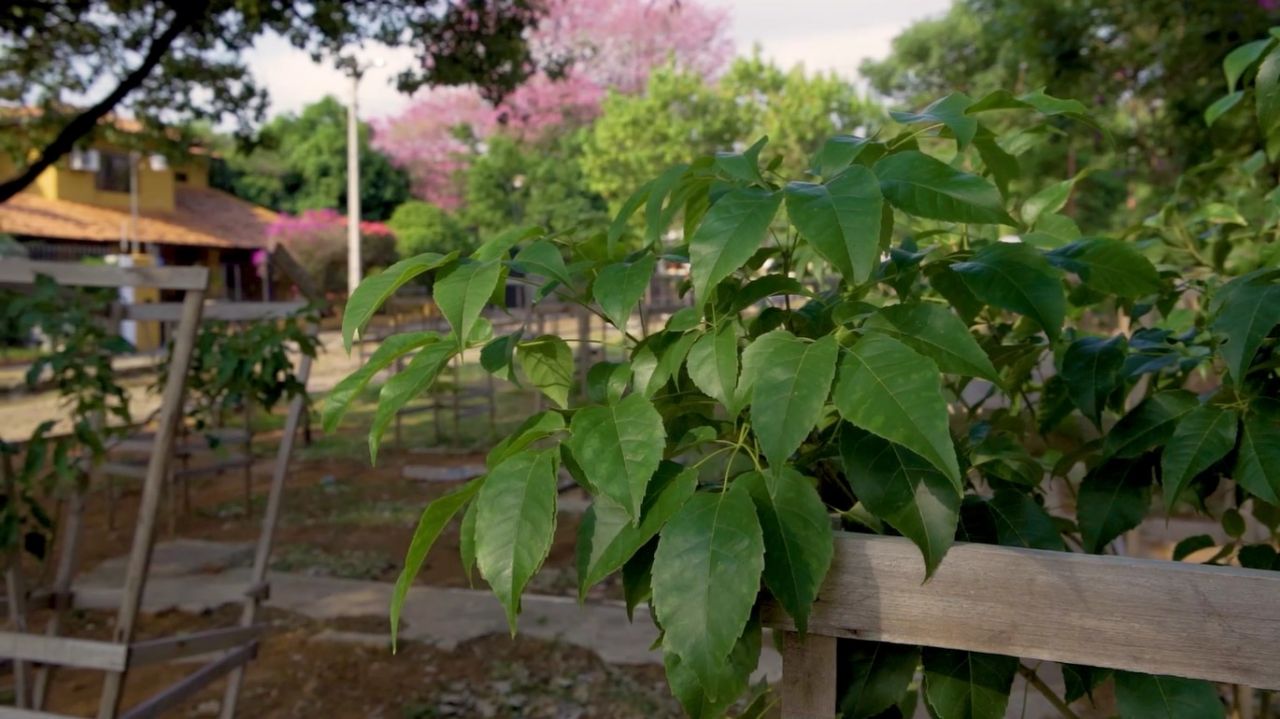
x: 1196, y: 621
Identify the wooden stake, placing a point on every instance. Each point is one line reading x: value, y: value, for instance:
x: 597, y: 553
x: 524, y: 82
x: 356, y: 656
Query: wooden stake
x: 270, y: 517
x: 809, y: 676
x: 157, y: 471
x: 68, y: 559
x: 17, y: 595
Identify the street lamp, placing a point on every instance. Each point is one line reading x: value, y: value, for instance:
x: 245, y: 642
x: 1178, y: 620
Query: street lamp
x: 356, y: 70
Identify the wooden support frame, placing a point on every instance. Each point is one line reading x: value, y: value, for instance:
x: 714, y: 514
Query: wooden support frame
x: 1189, y: 620
x: 259, y: 589
x: 186, y: 687
x: 24, y: 272
x: 239, y: 643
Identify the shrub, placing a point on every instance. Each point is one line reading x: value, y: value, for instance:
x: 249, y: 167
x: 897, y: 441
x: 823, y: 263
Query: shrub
x: 423, y: 227
x: 318, y: 240
x: 904, y: 344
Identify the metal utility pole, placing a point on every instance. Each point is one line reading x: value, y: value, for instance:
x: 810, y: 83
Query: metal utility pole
x: 353, y: 183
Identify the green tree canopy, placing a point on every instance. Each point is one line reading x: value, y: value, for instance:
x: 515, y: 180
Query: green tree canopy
x: 423, y: 227
x: 182, y: 62
x: 540, y: 183
x: 1145, y: 71
x: 680, y: 116
x: 300, y: 163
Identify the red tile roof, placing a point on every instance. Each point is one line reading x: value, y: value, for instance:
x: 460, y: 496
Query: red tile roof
x: 201, y: 217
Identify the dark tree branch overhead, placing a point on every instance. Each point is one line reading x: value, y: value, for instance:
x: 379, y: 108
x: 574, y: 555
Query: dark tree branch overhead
x: 84, y: 123
x: 52, y: 50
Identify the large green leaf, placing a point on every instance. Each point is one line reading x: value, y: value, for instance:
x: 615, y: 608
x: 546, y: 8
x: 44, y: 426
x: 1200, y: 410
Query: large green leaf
x: 937, y: 333
x: 1240, y: 59
x: 1266, y: 87
x: 1203, y: 436
x: 1035, y: 100
x: 922, y: 186
x: 890, y: 390
x: 713, y: 365
x: 706, y: 575
x: 1047, y: 201
x: 841, y: 220
x: 873, y: 676
x: 1020, y: 521
x: 949, y: 111
x: 730, y: 233
x: 1080, y: 681
x: 536, y: 427
x: 515, y: 523
x: 461, y: 292
x: 1250, y: 310
x: 607, y: 538
x: 375, y: 290
x: 1016, y: 277
x: 1222, y: 106
x: 1091, y: 370
x: 1258, y: 467
x: 416, y: 378
x: 621, y: 221
x: 544, y: 258
x: 656, y: 220
x: 619, y: 446
x: 1109, y: 266
x: 548, y: 363
x: 839, y: 152
x: 1149, y: 425
x: 620, y: 286
x: 709, y: 697
x: 798, y: 542
x: 789, y: 379
x: 434, y: 518
x: 1113, y: 499
x: 340, y: 397
x: 497, y: 357
x: 467, y: 542
x: 499, y: 246
x: 967, y: 685
x: 903, y: 489
x: 1146, y: 696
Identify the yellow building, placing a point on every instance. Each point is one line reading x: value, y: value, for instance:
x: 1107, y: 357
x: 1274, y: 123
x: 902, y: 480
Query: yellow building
x: 104, y: 199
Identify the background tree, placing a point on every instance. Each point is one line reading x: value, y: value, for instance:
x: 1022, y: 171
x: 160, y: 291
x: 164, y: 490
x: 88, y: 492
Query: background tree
x: 182, y: 62
x: 1142, y: 69
x: 796, y: 109
x: 299, y: 162
x: 423, y: 227
x: 515, y: 183
x: 584, y: 48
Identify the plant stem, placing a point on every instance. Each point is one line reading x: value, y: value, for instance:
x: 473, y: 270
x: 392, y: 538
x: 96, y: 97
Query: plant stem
x: 1038, y: 684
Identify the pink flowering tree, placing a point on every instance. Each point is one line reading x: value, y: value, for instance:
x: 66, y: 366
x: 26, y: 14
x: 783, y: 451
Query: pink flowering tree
x: 584, y: 49
x: 317, y: 239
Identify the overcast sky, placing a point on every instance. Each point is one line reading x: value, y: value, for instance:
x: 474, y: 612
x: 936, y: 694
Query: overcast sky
x: 822, y: 34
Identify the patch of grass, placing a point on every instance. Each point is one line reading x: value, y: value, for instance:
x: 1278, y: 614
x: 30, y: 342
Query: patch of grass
x: 234, y: 508
x: 347, y: 564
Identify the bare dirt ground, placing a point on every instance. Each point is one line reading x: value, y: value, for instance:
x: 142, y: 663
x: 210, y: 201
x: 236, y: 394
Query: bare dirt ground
x: 300, y: 673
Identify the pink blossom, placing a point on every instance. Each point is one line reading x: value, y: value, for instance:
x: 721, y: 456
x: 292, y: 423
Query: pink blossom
x: 585, y: 48
x: 311, y: 223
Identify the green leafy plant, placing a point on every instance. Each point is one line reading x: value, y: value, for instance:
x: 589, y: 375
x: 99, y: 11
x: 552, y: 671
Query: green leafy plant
x: 75, y: 360
x: 902, y: 342
x: 245, y: 363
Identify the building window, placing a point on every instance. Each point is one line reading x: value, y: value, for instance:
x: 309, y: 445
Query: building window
x: 113, y: 172
x: 180, y: 176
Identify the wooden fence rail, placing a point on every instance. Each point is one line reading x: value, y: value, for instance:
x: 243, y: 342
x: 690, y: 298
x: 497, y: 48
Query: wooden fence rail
x: 1221, y: 624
